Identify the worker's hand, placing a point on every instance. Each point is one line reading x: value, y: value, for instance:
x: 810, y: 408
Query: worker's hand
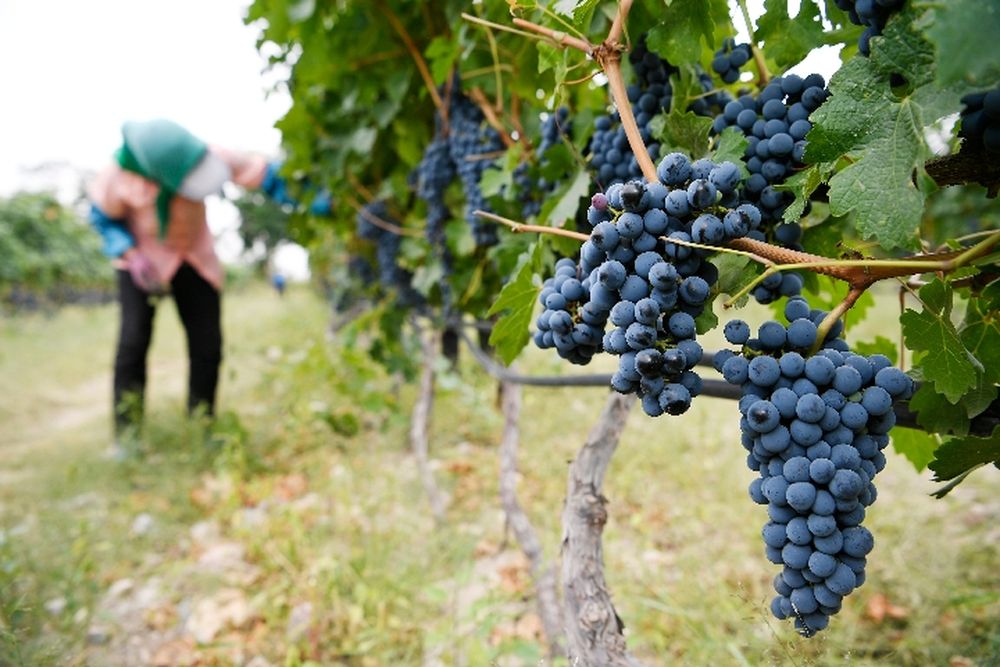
x: 143, y: 272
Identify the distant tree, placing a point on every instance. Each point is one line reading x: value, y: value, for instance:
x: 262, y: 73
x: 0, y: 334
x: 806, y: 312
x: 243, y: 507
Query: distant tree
x: 264, y: 223
x: 47, y: 248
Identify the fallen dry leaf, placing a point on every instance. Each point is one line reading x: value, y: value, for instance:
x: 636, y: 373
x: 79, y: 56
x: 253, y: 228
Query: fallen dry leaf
x: 460, y: 467
x: 879, y: 608
x: 161, y: 618
x: 176, y: 653
x: 291, y: 486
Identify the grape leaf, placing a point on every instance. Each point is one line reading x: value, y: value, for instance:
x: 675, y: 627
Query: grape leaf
x: 917, y: 446
x: 683, y: 23
x: 517, y: 303
x: 958, y: 456
x: 706, y: 321
x: 730, y: 148
x: 682, y: 131
x: 735, y: 272
x: 825, y: 239
x: 496, y: 181
x: 802, y: 185
x: 582, y: 11
x: 880, y: 128
x: 563, y: 204
x: 441, y: 54
x: 881, y: 345
x: 788, y: 40
x: 879, y: 185
x: 948, y: 364
x: 981, y: 335
x: 961, y: 31
x: 936, y: 414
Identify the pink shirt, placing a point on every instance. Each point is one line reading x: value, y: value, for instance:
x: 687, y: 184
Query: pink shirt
x: 123, y: 195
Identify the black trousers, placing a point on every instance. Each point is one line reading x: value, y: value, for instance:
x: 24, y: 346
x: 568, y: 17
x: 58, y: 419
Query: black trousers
x: 199, y: 306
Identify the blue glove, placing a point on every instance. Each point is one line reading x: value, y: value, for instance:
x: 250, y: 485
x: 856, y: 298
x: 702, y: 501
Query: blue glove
x: 276, y: 187
x: 117, y: 238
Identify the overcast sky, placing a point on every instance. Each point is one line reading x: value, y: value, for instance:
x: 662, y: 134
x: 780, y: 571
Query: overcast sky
x: 74, y: 70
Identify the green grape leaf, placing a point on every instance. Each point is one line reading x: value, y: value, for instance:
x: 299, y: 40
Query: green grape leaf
x: 555, y: 59
x: 958, y: 456
x: 561, y: 206
x: 825, y: 239
x: 441, y: 55
x: 730, y: 148
x: 936, y: 414
x: 682, y: 25
x: 880, y: 130
x: 948, y: 364
x: 706, y: 321
x: 682, y: 131
x: 881, y: 345
x: 981, y: 335
x: 735, y: 271
x: 961, y: 31
x: 802, y: 185
x: 495, y: 181
x: 582, y: 11
x: 885, y: 170
x: 788, y: 40
x: 517, y: 303
x: 980, y: 397
x: 917, y: 446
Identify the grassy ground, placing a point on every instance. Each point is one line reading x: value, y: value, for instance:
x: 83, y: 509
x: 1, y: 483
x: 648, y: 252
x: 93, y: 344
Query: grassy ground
x: 295, y: 531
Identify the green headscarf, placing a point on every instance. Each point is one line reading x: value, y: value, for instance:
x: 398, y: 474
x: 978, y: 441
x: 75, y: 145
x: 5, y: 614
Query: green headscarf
x: 164, y: 152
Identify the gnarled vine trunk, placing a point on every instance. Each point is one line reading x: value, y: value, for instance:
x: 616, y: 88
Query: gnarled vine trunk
x: 593, y: 628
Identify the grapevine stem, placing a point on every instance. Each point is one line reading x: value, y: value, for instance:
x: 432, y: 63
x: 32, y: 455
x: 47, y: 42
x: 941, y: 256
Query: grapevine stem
x: 554, y: 16
x: 540, y: 229
x: 730, y: 251
x: 498, y: 26
x: 482, y: 71
x: 379, y: 222
x: 557, y: 36
x: 496, y: 68
x: 865, y: 272
x: 479, y: 97
x: 425, y: 73
x: 831, y: 318
x: 611, y: 63
x: 763, y: 76
x: 618, y: 26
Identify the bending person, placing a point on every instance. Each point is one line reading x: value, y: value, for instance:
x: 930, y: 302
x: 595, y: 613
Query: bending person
x: 149, y: 207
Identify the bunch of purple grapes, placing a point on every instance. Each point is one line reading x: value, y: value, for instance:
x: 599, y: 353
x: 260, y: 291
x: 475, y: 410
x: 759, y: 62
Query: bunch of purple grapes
x: 633, y: 272
x: 814, y: 426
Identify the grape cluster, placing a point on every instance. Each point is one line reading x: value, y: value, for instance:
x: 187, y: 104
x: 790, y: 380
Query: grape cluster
x: 729, y: 59
x: 434, y: 173
x: 775, y: 124
x: 650, y: 288
x: 568, y: 322
x: 981, y: 119
x: 392, y: 277
x: 815, y: 427
x: 471, y: 141
x: 611, y: 156
x: 873, y: 14
x: 531, y: 187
